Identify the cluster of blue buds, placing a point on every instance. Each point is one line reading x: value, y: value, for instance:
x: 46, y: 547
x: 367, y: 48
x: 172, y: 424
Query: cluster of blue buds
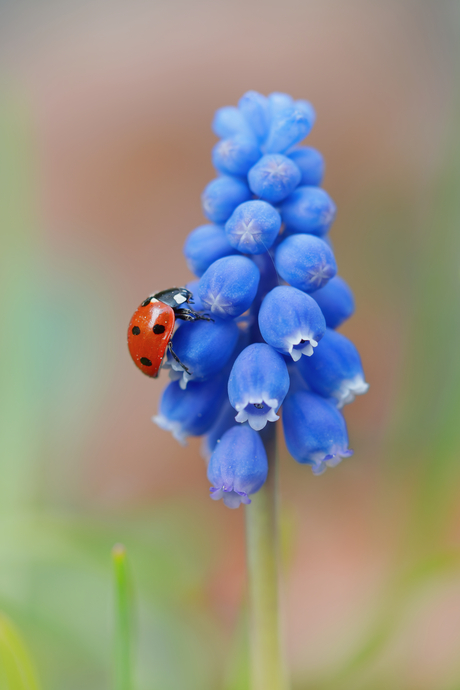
x: 267, y: 276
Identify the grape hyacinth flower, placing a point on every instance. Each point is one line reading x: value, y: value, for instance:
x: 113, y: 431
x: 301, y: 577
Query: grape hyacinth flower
x: 260, y: 341
x: 266, y: 276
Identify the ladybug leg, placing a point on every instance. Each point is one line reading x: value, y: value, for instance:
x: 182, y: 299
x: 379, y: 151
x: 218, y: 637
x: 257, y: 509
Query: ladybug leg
x: 177, y: 359
x: 190, y: 315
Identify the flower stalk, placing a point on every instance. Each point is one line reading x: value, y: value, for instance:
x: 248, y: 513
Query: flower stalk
x: 267, y: 666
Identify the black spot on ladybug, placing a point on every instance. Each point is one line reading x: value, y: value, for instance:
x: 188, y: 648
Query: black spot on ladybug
x: 158, y: 328
x: 135, y: 330
x: 146, y: 302
x: 146, y: 362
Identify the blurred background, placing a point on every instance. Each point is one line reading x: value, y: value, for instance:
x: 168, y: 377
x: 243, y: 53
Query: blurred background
x: 105, y: 144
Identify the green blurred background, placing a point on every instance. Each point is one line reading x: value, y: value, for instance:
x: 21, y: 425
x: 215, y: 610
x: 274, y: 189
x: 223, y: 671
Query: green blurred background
x: 105, y: 145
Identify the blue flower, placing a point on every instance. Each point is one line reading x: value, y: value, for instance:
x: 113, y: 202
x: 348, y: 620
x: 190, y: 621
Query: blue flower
x: 268, y: 351
x: 204, y: 348
x: 229, y: 286
x: 258, y: 384
x: 336, y: 371
x: 193, y: 411
x: 305, y: 261
x: 315, y: 431
x: 221, y: 197
x: 253, y: 227
x: 235, y: 156
x: 310, y: 163
x: 238, y: 466
x: 274, y: 177
x: 291, y: 321
x: 308, y: 209
x: 336, y: 301
x: 204, y: 245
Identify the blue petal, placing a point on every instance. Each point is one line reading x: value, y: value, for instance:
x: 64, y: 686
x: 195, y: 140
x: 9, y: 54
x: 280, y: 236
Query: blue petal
x: 193, y: 411
x: 224, y: 421
x: 204, y: 245
x: 291, y: 321
x: 229, y: 286
x: 315, y: 431
x: 305, y: 261
x: 258, y: 384
x: 277, y: 102
x: 235, y: 156
x: 253, y: 227
x: 204, y: 347
x: 308, y: 209
x: 274, y: 177
x: 335, y: 371
x: 310, y: 163
x: 221, y: 196
x: 336, y: 301
x: 238, y: 466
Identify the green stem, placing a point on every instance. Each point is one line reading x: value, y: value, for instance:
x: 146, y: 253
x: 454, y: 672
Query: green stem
x: 123, y: 670
x: 266, y: 659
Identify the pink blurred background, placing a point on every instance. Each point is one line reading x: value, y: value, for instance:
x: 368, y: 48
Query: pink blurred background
x: 121, y: 98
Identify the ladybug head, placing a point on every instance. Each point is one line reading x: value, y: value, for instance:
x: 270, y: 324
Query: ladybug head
x: 175, y: 296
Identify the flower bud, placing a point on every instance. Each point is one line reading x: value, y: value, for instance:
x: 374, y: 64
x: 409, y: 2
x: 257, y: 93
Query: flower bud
x: 229, y: 121
x: 274, y: 177
x: 253, y: 227
x: 288, y: 127
x: 229, y: 286
x: 258, y: 384
x: 238, y: 466
x: 336, y: 301
x: 235, y: 156
x: 310, y: 163
x: 254, y: 108
x: 305, y: 261
x: 204, y: 245
x: 221, y: 197
x: 193, y: 411
x: 291, y: 321
x: 315, y: 431
x: 308, y: 209
x: 204, y: 347
x: 335, y: 371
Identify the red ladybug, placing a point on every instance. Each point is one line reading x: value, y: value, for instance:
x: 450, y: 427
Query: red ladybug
x: 151, y: 328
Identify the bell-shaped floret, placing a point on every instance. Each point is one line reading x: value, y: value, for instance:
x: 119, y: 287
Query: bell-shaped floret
x: 253, y: 227
x: 305, y: 261
x: 238, y: 466
x: 204, y: 245
x: 287, y: 128
x: 336, y: 301
x: 310, y: 163
x: 308, y: 209
x: 193, y: 411
x: 274, y: 177
x: 229, y: 121
x: 254, y: 108
x: 291, y: 321
x: 335, y: 371
x: 315, y: 431
x: 229, y: 286
x: 204, y: 347
x: 258, y: 384
x: 221, y: 197
x: 235, y: 156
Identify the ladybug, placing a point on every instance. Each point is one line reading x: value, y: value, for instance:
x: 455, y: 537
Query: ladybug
x: 151, y: 328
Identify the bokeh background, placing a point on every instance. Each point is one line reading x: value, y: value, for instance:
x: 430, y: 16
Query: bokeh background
x: 105, y: 145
